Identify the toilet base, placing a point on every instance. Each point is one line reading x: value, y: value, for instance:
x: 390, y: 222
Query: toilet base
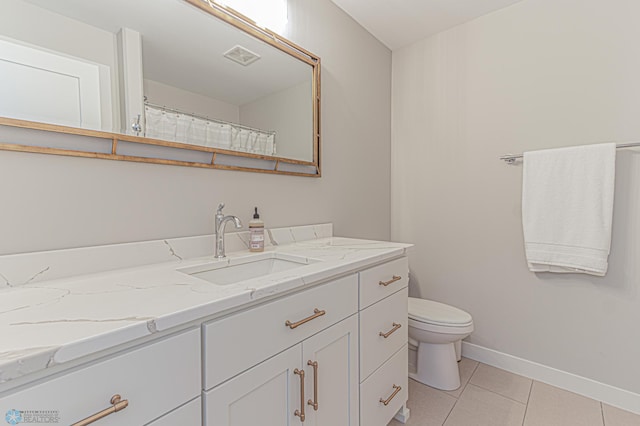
x: 437, y: 366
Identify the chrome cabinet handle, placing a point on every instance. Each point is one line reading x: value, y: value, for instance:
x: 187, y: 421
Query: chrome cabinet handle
x: 117, y: 404
x: 314, y: 402
x: 316, y: 313
x: 390, y: 332
x: 395, y: 392
x: 392, y: 280
x: 300, y: 412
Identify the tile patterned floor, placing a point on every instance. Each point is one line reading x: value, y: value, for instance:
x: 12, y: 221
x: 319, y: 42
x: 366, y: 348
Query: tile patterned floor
x: 493, y: 397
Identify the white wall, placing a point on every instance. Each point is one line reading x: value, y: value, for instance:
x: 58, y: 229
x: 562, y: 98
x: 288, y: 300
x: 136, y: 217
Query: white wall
x: 51, y: 202
x: 290, y: 114
x: 539, y: 74
x: 183, y: 100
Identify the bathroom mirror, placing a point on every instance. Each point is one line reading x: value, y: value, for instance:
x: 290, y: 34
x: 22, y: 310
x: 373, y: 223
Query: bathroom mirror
x: 185, y: 82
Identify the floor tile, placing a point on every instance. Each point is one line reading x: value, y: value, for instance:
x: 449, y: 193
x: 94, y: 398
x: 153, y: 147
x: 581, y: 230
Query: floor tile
x: 502, y: 382
x: 493, y: 397
x: 467, y: 367
x: 480, y: 407
x: 551, y: 406
x: 616, y: 417
x: 429, y: 407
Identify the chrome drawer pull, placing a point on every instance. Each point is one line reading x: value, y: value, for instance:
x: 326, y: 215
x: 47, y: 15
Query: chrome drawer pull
x: 390, y: 332
x: 300, y: 412
x: 316, y: 313
x: 314, y: 402
x: 392, y: 280
x: 395, y: 392
x: 117, y: 405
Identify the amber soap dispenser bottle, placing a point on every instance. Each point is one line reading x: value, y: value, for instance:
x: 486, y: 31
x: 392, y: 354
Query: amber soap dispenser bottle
x: 256, y: 233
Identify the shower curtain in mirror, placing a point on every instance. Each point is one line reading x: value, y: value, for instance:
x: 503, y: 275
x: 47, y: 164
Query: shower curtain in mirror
x: 185, y: 128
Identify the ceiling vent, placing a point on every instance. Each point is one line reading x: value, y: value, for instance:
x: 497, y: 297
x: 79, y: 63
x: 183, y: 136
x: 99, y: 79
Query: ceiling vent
x: 241, y: 55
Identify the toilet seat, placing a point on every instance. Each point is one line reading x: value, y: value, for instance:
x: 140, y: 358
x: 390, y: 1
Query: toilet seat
x: 438, y: 314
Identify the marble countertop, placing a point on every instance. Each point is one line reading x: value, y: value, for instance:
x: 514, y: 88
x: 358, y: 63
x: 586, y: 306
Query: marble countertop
x: 52, y: 322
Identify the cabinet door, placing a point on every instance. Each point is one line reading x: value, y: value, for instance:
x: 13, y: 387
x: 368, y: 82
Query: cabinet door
x: 266, y: 395
x: 335, y: 350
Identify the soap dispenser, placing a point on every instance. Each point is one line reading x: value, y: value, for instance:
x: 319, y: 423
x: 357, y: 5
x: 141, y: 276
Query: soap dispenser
x: 256, y: 232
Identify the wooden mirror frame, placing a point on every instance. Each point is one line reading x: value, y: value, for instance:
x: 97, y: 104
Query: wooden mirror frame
x: 174, y: 153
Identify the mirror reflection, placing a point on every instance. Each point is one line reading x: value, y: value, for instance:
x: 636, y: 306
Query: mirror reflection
x: 162, y: 69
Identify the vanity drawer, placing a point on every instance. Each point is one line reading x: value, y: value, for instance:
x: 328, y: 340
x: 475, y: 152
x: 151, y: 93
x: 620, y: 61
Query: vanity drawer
x: 189, y: 414
x: 380, y: 386
x: 381, y: 281
x: 154, y: 379
x: 240, y: 341
x: 382, y: 317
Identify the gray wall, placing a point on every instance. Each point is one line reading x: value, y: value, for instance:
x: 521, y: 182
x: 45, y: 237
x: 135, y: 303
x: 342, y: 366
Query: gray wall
x: 182, y: 100
x: 538, y: 74
x: 51, y: 202
x: 286, y: 113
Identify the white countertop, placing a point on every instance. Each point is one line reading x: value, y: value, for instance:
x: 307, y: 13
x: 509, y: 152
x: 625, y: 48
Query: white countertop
x: 53, y: 322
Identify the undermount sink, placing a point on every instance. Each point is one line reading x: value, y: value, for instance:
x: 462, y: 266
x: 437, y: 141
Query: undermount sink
x: 235, y: 270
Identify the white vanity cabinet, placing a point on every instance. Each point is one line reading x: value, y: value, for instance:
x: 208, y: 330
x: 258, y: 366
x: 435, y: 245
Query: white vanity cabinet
x: 153, y: 380
x: 383, y: 342
x: 315, y: 336
x: 334, y: 352
x: 355, y: 366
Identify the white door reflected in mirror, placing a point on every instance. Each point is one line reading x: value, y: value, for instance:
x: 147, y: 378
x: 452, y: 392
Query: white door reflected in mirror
x: 38, y: 85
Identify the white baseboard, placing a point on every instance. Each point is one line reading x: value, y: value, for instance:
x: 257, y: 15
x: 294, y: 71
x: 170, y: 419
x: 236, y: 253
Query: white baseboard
x: 611, y: 395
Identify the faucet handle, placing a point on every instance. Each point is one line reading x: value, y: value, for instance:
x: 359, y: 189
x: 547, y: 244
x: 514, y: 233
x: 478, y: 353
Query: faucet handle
x: 220, y: 207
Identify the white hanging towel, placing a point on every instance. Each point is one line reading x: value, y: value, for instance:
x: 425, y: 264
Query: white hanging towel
x: 567, y: 208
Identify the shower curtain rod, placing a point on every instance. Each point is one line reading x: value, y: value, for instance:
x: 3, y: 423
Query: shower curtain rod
x: 511, y: 158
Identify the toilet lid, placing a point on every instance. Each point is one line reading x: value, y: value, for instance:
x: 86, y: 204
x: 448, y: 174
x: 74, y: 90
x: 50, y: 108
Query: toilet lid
x: 437, y: 313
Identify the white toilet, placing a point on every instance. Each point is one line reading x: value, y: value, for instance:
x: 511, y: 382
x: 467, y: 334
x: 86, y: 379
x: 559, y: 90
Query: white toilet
x: 436, y: 331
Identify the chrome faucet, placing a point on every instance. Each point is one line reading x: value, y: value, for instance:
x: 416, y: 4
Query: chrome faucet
x: 221, y: 221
